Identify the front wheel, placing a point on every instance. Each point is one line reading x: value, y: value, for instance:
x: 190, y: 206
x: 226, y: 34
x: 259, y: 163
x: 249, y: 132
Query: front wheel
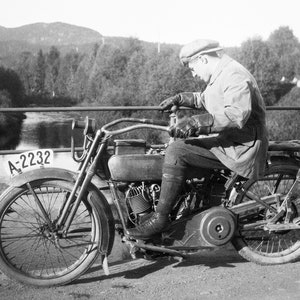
x: 259, y: 245
x: 32, y: 251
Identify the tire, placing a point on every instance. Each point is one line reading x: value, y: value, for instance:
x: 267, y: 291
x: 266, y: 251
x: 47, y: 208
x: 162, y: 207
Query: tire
x: 261, y: 246
x: 31, y: 251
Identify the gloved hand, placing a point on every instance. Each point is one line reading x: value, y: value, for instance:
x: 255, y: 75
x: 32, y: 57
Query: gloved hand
x: 193, y: 126
x: 182, y: 99
x: 169, y: 102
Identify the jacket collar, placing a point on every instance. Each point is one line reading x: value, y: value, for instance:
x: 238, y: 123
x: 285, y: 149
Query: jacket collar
x: 225, y: 60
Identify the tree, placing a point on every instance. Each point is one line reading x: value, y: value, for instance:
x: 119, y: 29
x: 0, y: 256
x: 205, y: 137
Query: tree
x: 260, y: 59
x: 5, y: 100
x: 164, y: 76
x: 10, y: 84
x: 52, y: 62
x: 25, y: 70
x: 66, y: 83
x: 40, y: 74
x: 11, y: 94
x: 84, y: 73
x: 130, y: 82
x: 287, y: 48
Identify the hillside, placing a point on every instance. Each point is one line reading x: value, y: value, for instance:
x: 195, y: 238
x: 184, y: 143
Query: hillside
x: 48, y: 34
x: 33, y: 37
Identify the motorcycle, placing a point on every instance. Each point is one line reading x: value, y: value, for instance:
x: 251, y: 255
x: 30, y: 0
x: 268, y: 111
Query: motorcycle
x: 54, y: 223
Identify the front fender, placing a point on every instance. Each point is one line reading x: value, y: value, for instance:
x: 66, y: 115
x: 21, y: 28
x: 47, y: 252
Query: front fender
x: 95, y: 197
x: 55, y: 173
x: 46, y: 173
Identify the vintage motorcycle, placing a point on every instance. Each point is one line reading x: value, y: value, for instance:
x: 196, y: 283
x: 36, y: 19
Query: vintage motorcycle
x: 54, y: 223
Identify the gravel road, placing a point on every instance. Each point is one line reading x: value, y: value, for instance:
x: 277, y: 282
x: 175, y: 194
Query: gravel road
x: 217, y: 274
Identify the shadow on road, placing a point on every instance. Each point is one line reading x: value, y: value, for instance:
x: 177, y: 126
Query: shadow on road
x: 136, y: 269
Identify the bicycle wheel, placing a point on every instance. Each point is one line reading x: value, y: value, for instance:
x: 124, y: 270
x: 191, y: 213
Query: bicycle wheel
x: 31, y: 249
x: 259, y: 245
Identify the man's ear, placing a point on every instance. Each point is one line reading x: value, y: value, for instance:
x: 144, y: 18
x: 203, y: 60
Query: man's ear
x: 204, y: 59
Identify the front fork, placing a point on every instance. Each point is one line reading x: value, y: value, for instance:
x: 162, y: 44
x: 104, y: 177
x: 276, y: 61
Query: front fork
x: 86, y: 173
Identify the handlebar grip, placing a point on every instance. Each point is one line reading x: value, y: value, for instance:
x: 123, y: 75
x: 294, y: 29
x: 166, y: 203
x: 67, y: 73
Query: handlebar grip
x: 89, y: 125
x: 76, y: 124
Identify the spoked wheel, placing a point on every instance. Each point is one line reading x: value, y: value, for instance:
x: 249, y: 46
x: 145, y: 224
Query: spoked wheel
x: 31, y: 248
x: 259, y: 245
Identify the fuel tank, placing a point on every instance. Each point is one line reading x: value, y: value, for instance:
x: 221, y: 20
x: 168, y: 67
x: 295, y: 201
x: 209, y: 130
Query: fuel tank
x: 136, y: 167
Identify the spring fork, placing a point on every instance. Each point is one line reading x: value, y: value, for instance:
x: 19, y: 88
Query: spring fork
x: 84, y: 178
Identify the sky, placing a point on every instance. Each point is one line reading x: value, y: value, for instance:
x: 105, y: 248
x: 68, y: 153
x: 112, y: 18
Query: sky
x: 230, y: 22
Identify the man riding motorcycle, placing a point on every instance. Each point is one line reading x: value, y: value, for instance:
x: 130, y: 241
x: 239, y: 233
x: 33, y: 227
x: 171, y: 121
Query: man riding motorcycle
x: 234, y: 110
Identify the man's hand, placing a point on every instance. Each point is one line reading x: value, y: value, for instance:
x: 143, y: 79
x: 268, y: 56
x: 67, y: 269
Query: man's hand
x: 193, y: 126
x: 184, y: 128
x: 183, y: 99
x: 169, y: 102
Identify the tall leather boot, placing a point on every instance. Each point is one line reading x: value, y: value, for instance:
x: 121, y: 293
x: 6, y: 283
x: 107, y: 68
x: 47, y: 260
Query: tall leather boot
x: 172, y: 181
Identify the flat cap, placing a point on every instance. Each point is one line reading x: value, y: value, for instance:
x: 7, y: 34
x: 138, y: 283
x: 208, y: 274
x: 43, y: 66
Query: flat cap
x: 198, y: 47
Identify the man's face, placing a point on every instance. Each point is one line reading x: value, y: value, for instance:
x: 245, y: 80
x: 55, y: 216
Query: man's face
x: 199, y: 68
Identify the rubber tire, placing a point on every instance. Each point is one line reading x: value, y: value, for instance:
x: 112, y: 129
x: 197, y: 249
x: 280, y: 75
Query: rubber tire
x: 287, y: 256
x: 8, y: 197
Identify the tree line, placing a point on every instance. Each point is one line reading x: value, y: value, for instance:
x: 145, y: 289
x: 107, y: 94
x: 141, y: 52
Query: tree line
x: 135, y: 73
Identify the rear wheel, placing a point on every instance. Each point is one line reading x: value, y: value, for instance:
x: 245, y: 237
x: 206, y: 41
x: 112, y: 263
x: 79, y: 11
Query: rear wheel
x: 32, y: 250
x: 259, y: 245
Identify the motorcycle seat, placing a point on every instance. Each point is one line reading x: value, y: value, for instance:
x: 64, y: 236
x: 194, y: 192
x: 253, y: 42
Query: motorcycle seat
x: 288, y: 146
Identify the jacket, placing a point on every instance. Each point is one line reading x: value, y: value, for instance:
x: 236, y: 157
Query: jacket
x: 233, y: 99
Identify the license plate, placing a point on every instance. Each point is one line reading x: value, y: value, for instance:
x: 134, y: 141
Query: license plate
x: 30, y: 160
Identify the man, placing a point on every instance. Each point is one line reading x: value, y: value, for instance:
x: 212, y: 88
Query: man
x: 235, y: 113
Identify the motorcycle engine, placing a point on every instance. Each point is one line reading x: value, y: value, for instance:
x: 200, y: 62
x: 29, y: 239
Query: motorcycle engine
x: 141, y: 200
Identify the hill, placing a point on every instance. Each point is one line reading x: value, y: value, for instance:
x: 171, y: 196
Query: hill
x: 48, y: 34
x: 33, y: 37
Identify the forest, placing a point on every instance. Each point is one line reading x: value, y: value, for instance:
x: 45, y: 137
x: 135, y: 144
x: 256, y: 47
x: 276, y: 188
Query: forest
x: 136, y: 73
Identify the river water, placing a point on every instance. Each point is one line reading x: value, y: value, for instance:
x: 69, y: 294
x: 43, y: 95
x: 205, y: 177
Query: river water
x: 45, y: 130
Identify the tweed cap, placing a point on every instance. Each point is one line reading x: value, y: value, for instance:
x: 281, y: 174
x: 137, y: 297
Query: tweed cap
x: 198, y: 47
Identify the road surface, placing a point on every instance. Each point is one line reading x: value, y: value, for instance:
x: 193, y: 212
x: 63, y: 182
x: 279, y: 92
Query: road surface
x: 217, y: 274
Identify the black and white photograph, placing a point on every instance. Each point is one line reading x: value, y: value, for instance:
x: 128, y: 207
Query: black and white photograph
x: 149, y: 150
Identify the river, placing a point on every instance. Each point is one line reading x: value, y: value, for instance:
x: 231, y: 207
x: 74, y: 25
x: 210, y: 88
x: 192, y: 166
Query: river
x: 46, y: 130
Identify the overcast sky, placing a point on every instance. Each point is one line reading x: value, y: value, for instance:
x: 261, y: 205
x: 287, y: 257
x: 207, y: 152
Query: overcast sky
x: 231, y: 22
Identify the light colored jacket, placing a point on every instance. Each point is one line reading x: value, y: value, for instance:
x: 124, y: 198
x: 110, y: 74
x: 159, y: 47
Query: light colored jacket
x: 233, y: 98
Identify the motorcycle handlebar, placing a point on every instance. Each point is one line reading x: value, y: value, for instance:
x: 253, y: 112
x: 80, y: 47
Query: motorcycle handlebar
x: 137, y: 121
x: 89, y: 125
x: 139, y: 124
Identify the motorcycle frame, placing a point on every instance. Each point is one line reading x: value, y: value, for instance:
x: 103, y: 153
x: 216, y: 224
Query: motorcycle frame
x: 88, y: 167
x: 96, y: 144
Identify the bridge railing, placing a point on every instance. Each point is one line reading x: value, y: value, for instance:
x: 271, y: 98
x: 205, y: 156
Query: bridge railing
x: 100, y: 108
